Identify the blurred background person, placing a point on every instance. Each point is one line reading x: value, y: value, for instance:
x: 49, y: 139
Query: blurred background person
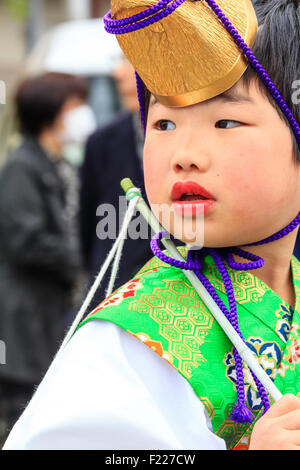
x: 113, y: 152
x: 39, y: 244
x: 60, y: 36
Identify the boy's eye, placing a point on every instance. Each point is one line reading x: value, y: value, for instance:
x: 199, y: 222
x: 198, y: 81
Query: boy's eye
x: 223, y: 124
x: 164, y: 125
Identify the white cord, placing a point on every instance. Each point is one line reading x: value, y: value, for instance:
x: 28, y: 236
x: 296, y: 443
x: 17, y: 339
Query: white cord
x: 115, y: 269
x: 127, y: 219
x: 117, y: 247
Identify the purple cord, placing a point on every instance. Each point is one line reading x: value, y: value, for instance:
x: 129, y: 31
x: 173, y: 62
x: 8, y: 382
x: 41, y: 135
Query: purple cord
x: 140, y: 92
x: 194, y: 263
x: 141, y: 20
x: 157, y: 12
x: 258, y: 67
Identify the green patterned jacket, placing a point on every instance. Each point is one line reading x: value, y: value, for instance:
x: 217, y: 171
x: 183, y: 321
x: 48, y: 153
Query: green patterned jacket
x: 162, y: 309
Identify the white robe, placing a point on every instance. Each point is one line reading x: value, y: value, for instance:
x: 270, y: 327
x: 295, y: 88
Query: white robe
x: 107, y: 390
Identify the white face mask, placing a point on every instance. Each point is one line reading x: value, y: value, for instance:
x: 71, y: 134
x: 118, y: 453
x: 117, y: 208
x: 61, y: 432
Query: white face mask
x: 79, y: 124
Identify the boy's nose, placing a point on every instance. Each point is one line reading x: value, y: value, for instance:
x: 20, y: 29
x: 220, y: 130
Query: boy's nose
x: 187, y: 159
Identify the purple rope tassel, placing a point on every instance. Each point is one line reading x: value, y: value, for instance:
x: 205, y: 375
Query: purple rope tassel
x: 151, y: 15
x: 241, y: 412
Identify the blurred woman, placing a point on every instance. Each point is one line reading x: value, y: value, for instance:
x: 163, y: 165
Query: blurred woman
x: 39, y: 249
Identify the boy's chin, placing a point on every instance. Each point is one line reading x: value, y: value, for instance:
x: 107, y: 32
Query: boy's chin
x: 190, y: 233
x: 189, y: 230
x: 199, y: 239
x: 198, y: 232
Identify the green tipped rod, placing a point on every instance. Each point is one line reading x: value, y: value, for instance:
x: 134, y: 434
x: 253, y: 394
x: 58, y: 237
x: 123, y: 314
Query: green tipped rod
x: 131, y: 192
x: 127, y: 184
x: 217, y: 313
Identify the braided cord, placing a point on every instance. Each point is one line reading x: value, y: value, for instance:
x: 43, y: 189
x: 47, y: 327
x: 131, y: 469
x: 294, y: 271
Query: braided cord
x: 141, y: 20
x: 258, y: 67
x: 140, y: 92
x: 195, y: 263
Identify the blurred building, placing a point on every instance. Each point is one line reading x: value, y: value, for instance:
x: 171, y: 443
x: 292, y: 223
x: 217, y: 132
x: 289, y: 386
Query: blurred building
x: 22, y: 22
x: 25, y: 26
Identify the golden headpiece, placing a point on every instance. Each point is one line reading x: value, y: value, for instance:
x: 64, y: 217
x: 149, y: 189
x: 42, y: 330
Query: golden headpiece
x: 188, y: 56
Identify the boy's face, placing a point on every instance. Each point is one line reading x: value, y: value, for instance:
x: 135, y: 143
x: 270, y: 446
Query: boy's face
x: 239, y: 151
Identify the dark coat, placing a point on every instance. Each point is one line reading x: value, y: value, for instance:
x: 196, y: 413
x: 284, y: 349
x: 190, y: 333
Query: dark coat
x: 111, y: 155
x: 39, y: 259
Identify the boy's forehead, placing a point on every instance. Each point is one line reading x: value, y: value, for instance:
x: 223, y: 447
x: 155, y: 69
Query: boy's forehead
x: 238, y: 94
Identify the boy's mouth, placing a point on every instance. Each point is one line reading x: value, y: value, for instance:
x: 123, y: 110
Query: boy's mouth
x: 189, y: 191
x: 190, y: 199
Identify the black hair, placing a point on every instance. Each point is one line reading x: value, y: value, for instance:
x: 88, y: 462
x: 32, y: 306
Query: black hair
x: 39, y: 100
x: 277, y: 47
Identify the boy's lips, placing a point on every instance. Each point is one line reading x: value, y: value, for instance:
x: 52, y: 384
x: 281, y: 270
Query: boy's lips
x: 189, y: 198
x: 186, y: 189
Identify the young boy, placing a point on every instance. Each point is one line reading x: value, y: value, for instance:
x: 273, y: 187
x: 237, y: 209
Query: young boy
x: 227, y: 143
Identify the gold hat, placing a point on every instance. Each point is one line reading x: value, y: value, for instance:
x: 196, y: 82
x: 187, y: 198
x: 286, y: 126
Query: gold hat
x: 189, y: 56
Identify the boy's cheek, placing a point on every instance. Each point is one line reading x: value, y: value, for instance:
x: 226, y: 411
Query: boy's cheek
x: 245, y: 191
x: 252, y: 200
x: 150, y: 175
x: 246, y: 179
x: 154, y: 177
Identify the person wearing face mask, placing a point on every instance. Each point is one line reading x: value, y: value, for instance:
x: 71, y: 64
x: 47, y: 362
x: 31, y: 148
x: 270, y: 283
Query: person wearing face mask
x: 113, y: 152
x: 39, y: 248
x: 79, y: 123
